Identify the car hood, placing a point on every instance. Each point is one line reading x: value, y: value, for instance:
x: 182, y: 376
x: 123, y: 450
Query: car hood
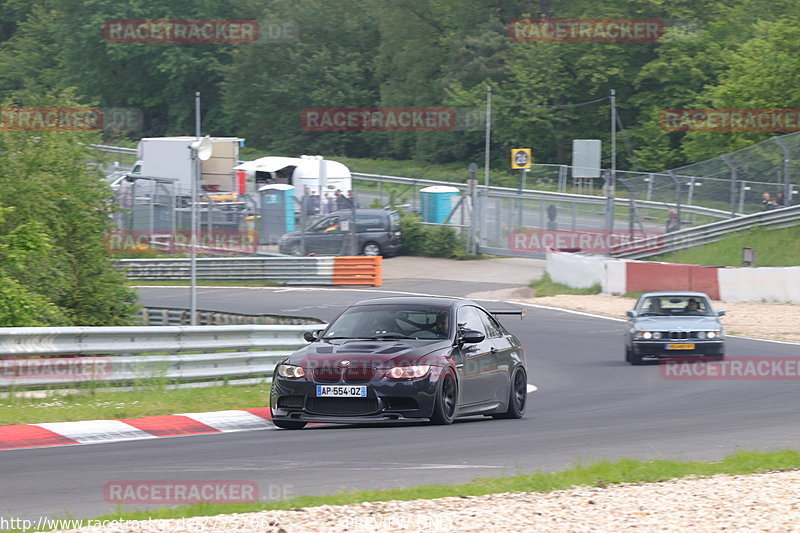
x: 380, y: 354
x: 689, y: 323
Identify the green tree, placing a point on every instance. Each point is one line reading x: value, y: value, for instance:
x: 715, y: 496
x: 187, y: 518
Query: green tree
x: 45, y: 176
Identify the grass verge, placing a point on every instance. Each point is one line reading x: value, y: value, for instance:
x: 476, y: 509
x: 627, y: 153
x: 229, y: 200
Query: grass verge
x: 544, y: 286
x: 92, y: 404
x: 600, y: 474
x: 774, y: 248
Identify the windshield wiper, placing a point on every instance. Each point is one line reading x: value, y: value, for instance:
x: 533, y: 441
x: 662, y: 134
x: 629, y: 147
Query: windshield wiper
x: 379, y: 337
x: 347, y: 338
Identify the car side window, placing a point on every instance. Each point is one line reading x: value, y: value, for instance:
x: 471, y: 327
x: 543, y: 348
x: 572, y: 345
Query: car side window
x: 469, y: 318
x: 493, y: 328
x: 370, y: 223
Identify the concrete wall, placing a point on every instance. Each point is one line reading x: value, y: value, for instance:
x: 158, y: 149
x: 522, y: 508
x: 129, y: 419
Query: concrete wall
x: 617, y: 276
x: 771, y: 284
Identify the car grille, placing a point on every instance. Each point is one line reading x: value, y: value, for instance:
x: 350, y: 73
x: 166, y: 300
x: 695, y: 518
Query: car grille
x: 342, y: 406
x: 358, y: 374
x: 327, y: 374
x: 679, y: 335
x: 353, y: 374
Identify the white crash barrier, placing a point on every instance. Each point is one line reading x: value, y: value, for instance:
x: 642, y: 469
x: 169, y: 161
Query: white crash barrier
x: 771, y: 284
x: 581, y: 271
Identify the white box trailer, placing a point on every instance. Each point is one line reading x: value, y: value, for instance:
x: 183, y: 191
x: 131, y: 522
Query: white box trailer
x: 316, y: 175
x: 170, y: 158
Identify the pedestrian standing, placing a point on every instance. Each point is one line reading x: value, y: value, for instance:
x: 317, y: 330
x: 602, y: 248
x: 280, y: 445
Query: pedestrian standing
x: 324, y: 204
x: 766, y: 202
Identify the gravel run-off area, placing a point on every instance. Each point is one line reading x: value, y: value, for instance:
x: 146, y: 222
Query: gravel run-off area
x: 768, y: 502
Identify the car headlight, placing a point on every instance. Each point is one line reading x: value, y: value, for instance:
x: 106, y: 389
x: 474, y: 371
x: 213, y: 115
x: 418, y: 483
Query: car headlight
x: 713, y: 334
x: 656, y: 334
x: 291, y: 371
x: 647, y: 335
x: 408, y: 372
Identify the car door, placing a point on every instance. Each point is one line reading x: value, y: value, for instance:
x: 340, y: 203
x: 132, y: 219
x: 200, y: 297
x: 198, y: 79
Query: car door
x: 325, y: 236
x: 504, y: 356
x: 478, y: 362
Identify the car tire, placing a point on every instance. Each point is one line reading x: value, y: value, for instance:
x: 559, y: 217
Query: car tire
x: 371, y: 248
x: 517, y: 396
x: 289, y: 424
x: 632, y: 358
x: 446, y: 402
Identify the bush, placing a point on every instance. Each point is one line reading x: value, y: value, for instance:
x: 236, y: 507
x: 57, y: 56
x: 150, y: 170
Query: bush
x: 430, y: 241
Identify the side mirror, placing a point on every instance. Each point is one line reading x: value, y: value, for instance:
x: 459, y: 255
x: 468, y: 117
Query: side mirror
x: 472, y: 337
x: 311, y: 336
x: 631, y: 314
x: 721, y: 313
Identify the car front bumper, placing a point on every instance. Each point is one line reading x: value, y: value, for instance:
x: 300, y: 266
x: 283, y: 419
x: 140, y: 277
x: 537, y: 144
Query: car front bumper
x: 386, y: 400
x: 661, y: 349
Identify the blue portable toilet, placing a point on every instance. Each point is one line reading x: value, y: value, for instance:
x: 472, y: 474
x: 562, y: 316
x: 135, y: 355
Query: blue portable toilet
x: 437, y: 202
x: 277, y: 212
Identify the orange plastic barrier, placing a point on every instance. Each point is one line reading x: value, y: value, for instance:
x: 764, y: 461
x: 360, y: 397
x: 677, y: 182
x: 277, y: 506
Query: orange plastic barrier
x: 358, y: 270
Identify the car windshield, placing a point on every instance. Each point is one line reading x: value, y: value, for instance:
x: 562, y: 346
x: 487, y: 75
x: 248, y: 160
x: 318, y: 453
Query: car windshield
x: 674, y: 306
x: 383, y: 321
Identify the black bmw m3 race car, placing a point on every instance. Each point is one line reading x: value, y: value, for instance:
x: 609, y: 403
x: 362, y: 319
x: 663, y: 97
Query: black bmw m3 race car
x: 403, y: 358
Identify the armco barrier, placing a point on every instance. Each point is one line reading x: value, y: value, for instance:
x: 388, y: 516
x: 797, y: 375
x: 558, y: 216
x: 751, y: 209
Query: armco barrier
x: 358, y: 270
x: 242, y: 352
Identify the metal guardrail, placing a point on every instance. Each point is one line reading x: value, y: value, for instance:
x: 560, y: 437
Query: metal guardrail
x: 289, y: 270
x: 341, y: 270
x: 114, y: 149
x: 686, y: 238
x: 171, y: 316
x: 250, y: 351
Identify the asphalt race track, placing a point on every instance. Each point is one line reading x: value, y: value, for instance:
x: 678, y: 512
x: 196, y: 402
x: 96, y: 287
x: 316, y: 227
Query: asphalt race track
x: 589, y: 405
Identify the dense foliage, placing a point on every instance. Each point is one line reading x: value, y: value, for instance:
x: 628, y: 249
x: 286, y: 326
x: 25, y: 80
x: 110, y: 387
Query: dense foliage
x: 367, y: 53
x: 54, y: 213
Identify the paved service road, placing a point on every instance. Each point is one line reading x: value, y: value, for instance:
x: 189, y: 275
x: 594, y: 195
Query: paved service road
x: 589, y: 405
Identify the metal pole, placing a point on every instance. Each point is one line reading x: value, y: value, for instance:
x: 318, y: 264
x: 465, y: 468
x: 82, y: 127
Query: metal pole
x: 487, y: 151
x: 734, y: 173
x: 195, y: 182
x: 611, y: 182
x: 741, y: 196
x: 787, y: 160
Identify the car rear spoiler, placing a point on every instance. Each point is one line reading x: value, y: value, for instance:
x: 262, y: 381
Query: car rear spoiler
x: 520, y: 312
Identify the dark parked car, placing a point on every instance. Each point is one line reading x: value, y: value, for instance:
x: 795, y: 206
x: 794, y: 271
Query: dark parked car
x: 377, y: 233
x: 676, y: 325
x: 407, y: 358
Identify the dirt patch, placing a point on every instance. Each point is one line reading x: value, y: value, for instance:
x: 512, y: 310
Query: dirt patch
x: 779, y: 321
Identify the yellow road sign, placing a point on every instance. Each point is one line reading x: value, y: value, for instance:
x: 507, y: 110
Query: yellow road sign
x: 520, y: 158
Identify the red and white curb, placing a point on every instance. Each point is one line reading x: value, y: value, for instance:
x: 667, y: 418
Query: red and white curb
x: 150, y: 427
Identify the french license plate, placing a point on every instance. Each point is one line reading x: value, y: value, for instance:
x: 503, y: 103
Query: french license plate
x: 684, y: 346
x: 341, y: 391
